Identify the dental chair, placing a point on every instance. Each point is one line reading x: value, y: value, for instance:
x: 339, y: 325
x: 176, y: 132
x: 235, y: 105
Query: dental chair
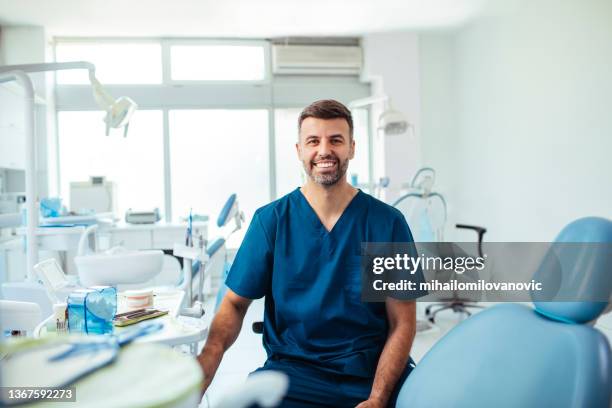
x: 511, y: 355
x: 426, y: 213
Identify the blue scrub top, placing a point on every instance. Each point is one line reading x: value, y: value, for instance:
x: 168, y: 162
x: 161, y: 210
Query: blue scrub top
x: 312, y: 283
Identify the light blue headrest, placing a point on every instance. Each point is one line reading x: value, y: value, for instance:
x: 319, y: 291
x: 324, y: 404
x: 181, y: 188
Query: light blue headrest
x: 226, y: 210
x: 585, y: 268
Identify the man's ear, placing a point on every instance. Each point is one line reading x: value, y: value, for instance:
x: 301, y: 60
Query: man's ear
x: 298, y: 150
x: 352, y: 155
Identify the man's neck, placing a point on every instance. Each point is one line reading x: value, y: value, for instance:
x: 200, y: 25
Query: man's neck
x: 328, y: 200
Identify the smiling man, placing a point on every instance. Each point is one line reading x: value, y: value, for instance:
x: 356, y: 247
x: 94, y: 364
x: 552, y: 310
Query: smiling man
x: 302, y: 252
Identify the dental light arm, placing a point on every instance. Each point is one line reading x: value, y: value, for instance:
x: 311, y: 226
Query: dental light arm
x: 118, y: 114
x: 370, y: 100
x: 118, y: 111
x: 49, y: 66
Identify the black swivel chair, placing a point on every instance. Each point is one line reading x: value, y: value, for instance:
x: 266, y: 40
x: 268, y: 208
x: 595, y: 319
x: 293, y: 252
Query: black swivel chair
x: 455, y: 302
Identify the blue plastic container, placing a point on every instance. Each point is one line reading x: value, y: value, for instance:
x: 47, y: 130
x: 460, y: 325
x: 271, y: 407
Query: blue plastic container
x: 51, y: 207
x: 92, y: 310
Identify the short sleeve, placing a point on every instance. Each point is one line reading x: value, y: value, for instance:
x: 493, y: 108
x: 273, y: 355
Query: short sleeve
x: 250, y: 274
x: 401, y: 231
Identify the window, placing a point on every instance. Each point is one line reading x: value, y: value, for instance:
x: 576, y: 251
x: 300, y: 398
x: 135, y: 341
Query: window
x: 116, y: 63
x: 134, y: 163
x: 217, y: 62
x: 289, y: 172
x: 215, y: 123
x: 215, y: 153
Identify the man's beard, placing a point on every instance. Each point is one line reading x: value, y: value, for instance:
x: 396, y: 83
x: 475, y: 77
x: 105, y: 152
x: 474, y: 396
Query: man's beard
x: 327, y: 179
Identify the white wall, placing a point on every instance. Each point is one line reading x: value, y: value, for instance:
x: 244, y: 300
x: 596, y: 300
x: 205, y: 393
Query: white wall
x: 517, y: 117
x: 25, y: 45
x: 391, y: 63
x: 22, y: 44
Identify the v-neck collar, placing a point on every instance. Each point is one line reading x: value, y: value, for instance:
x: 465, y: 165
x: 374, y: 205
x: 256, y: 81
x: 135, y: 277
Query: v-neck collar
x: 314, y: 218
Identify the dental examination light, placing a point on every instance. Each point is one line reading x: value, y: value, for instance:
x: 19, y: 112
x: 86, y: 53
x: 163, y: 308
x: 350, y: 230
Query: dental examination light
x: 118, y: 113
x: 391, y: 121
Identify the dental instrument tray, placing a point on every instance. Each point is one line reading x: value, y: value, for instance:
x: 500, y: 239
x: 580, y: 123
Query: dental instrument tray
x: 136, y: 316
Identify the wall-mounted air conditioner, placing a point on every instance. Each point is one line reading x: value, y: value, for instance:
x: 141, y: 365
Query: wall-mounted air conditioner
x: 316, y: 59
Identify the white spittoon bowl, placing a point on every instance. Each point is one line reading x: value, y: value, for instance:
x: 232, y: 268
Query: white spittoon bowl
x: 117, y: 267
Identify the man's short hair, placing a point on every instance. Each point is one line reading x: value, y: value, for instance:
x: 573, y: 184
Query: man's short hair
x: 327, y: 109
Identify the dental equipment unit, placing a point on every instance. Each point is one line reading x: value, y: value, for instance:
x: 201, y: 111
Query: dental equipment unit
x: 191, y: 254
x: 426, y: 213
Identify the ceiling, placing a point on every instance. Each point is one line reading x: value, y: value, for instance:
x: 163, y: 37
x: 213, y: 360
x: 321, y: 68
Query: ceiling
x: 237, y: 18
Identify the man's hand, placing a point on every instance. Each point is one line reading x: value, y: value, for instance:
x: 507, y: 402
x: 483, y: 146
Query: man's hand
x: 371, y: 403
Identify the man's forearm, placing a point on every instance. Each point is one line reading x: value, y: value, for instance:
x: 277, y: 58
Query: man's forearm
x: 223, y: 332
x: 392, y: 362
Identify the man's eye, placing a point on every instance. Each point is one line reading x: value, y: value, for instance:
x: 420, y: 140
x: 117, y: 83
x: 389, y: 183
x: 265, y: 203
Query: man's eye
x: 312, y: 141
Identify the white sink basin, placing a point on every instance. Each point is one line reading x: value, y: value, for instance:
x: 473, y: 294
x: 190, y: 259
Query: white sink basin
x: 118, y: 267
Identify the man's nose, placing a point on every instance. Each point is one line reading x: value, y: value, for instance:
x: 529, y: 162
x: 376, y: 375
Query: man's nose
x: 324, y: 147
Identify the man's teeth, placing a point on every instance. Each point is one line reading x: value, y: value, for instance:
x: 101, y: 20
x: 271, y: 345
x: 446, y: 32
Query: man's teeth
x: 325, y: 164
